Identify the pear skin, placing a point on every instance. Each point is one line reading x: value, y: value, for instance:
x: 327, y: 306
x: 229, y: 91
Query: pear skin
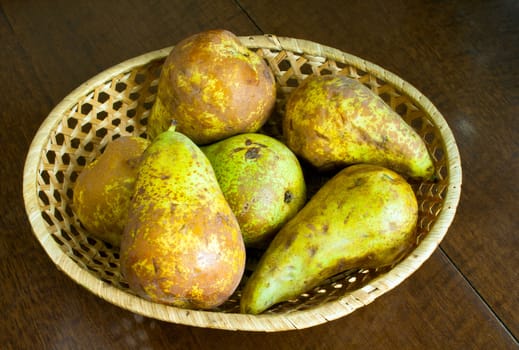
x: 182, y: 244
x: 262, y: 181
x: 333, y: 121
x: 214, y: 87
x: 363, y: 217
x: 104, y: 187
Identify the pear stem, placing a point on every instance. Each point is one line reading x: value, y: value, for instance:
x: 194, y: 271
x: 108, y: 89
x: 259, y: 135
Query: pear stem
x: 173, y: 125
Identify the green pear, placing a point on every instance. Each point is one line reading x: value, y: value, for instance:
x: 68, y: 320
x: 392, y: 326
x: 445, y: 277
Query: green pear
x: 182, y: 244
x: 262, y: 181
x: 363, y: 217
x: 333, y: 121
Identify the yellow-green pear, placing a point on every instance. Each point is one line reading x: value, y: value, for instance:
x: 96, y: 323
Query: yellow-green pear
x: 333, y: 121
x: 262, y: 181
x: 182, y: 244
x: 104, y: 187
x: 363, y: 217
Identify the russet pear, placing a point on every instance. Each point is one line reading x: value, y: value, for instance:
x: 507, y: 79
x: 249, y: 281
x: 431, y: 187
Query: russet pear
x: 104, y: 187
x: 182, y: 244
x: 214, y: 87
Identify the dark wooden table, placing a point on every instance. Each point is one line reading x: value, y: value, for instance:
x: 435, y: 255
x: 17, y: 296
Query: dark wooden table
x: 463, y: 55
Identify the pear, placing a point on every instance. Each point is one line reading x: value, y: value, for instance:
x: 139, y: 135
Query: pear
x: 103, y: 188
x: 333, y: 121
x: 363, y: 217
x: 214, y: 87
x: 262, y: 181
x: 182, y: 244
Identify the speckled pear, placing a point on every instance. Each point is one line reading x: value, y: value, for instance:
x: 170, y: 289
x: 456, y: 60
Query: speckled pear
x: 104, y: 187
x: 182, y: 244
x: 333, y: 121
x: 214, y: 87
x: 364, y: 217
x: 262, y: 181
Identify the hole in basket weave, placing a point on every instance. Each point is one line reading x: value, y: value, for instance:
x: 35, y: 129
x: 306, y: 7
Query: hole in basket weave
x: 117, y: 105
x: 71, y: 123
x: 74, y: 143
x: 81, y: 161
x: 131, y: 113
x: 84, y: 247
x: 120, y: 87
x: 51, y: 157
x: 429, y: 137
x: 65, y: 159
x: 139, y: 78
x: 401, y: 109
x: 73, y: 177
x: 86, y: 128
x: 43, y: 197
x: 325, y: 71
x: 153, y: 89
x: 57, y: 215
x: 102, y: 115
x: 77, y: 253
x: 103, y: 97
x: 59, y: 138
x: 60, y: 176
x: 56, y: 195
x: 89, y: 146
x: 284, y: 65
x: 417, y: 123
x: 86, y: 108
x: 74, y: 231
x: 438, y: 154
x: 292, y: 82
x: 69, y: 211
x: 306, y: 69
x: 386, y: 97
x: 101, y: 132
x: 47, y: 218
x: 65, y: 235
x: 44, y: 175
x: 57, y: 240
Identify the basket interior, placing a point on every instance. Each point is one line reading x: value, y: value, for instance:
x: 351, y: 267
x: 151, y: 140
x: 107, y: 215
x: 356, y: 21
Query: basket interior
x: 121, y: 105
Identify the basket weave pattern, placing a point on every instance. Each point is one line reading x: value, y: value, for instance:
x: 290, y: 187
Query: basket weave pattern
x: 118, y: 101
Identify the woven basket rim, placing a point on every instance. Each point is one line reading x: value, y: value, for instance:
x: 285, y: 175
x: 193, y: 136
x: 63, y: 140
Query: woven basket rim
x: 297, y: 319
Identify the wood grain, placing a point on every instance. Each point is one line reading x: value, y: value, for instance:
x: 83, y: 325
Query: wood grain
x: 462, y: 55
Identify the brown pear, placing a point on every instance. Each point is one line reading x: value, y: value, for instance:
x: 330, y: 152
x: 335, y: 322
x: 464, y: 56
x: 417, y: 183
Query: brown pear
x: 214, y: 87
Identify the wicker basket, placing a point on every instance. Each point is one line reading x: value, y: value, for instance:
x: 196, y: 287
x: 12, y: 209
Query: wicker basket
x: 118, y: 101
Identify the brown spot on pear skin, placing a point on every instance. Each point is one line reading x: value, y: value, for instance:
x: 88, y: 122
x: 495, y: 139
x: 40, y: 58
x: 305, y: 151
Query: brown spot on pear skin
x: 253, y: 153
x: 288, y: 197
x: 289, y: 241
x: 312, y: 250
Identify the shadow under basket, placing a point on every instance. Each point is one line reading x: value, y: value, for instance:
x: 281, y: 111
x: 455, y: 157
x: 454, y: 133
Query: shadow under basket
x: 118, y: 101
